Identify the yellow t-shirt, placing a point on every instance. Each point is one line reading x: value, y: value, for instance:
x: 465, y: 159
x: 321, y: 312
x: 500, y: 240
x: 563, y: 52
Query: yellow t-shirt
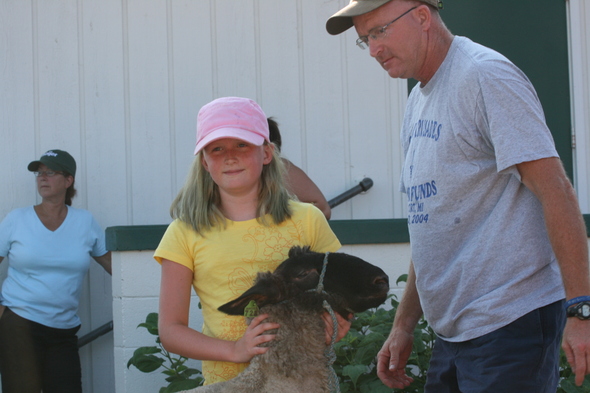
x: 225, y: 262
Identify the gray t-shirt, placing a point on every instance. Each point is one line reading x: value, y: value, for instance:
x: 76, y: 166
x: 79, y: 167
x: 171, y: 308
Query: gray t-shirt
x: 479, y: 243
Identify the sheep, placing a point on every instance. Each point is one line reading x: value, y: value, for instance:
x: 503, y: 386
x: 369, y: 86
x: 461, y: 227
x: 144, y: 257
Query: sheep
x: 296, y: 361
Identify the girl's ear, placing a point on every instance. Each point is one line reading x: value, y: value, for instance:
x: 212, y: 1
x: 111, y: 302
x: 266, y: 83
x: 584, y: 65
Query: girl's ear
x: 204, y: 162
x: 268, y: 152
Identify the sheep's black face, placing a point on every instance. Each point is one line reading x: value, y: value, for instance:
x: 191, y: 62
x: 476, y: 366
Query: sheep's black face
x: 357, y: 284
x: 361, y: 284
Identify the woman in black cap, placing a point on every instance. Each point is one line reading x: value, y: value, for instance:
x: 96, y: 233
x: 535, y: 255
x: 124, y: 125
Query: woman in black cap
x: 48, y: 249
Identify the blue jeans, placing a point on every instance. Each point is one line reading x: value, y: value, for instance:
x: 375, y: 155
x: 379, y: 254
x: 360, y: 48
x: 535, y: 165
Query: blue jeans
x: 522, y: 357
x: 35, y: 357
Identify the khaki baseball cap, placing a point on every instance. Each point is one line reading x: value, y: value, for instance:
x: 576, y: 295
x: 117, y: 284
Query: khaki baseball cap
x: 342, y: 20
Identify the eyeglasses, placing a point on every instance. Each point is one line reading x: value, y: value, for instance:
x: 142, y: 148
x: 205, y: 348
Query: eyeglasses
x: 377, y: 32
x: 47, y: 173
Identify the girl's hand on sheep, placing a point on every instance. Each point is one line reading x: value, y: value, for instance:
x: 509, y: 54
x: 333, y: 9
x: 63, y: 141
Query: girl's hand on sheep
x: 343, y: 326
x: 248, y: 346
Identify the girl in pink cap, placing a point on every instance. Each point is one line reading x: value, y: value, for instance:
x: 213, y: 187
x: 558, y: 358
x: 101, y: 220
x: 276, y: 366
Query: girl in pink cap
x: 232, y: 219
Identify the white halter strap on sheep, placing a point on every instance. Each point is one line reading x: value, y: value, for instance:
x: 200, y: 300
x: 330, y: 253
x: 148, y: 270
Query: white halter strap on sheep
x: 330, y: 353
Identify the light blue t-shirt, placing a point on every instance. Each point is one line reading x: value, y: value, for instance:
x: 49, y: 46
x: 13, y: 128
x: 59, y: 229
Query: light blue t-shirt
x: 45, y: 268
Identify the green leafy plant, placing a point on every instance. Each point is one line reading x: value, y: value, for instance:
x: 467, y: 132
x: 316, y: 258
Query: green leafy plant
x: 151, y: 358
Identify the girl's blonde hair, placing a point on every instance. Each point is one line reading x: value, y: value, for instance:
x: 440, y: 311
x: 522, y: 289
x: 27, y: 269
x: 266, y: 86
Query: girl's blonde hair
x: 197, y: 202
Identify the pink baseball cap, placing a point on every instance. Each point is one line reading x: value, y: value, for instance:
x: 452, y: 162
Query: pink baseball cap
x: 231, y: 117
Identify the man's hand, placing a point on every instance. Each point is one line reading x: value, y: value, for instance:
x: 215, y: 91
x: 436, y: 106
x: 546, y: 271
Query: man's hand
x: 343, y: 326
x: 576, y: 345
x: 392, y: 360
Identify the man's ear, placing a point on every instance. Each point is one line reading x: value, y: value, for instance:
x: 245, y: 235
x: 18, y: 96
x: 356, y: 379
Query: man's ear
x: 424, y: 16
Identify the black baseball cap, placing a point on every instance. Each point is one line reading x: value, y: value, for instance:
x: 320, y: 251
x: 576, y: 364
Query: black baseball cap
x: 57, y: 160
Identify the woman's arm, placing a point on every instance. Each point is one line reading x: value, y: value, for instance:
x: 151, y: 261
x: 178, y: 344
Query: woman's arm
x: 178, y: 338
x: 305, y: 189
x: 1, y: 306
x: 104, y: 261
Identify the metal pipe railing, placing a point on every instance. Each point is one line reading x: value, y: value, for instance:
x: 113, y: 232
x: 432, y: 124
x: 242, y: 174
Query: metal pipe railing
x: 96, y: 333
x: 363, y: 186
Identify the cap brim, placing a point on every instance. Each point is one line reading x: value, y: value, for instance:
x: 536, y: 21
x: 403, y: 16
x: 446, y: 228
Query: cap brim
x: 34, y: 165
x: 342, y: 20
x: 54, y: 166
x: 237, y: 133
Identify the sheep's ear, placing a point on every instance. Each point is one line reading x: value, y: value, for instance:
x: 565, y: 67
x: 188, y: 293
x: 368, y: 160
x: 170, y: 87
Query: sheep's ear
x: 237, y: 306
x: 263, y: 293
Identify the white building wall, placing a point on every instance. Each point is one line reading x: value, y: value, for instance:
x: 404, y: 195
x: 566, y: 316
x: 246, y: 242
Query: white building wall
x: 579, y: 40
x: 118, y: 83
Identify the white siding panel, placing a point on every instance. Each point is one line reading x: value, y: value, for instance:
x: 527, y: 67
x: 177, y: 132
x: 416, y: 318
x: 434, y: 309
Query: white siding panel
x: 326, y: 139
x: 59, y: 87
x: 149, y: 111
x: 104, y: 110
x: 580, y: 88
x: 280, y: 73
x: 17, y: 105
x: 234, y: 36
x: 192, y: 79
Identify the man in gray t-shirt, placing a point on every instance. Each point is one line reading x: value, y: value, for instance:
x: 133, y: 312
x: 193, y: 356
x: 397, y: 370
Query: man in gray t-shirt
x: 498, y: 240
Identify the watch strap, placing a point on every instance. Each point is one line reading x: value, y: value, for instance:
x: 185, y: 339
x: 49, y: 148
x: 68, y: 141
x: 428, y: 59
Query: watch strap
x: 580, y: 310
x: 576, y: 300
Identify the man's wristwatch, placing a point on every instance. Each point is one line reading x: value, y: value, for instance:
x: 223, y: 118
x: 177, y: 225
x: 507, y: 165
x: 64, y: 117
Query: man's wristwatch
x: 580, y: 310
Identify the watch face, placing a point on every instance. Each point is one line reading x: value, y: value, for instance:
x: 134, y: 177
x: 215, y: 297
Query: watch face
x: 585, y: 311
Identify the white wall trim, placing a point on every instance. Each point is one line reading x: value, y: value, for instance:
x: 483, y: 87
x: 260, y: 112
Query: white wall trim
x: 579, y: 50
